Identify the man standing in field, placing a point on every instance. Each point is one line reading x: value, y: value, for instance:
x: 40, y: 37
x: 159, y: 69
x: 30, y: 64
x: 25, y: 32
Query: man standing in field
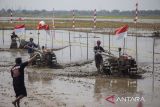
x: 13, y: 41
x: 98, y: 57
x: 17, y: 73
x: 31, y: 46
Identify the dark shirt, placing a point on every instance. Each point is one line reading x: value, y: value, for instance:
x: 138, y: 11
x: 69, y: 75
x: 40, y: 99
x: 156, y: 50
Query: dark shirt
x: 98, y: 49
x: 17, y: 73
x: 32, y: 45
x: 14, y: 36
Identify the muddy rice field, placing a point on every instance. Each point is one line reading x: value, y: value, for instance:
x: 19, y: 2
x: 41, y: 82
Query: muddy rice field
x: 81, y: 85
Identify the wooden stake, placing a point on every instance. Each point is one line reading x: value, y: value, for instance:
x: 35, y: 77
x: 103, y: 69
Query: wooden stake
x: 87, y: 46
x: 70, y: 46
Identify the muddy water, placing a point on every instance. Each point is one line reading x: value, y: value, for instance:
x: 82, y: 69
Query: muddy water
x: 80, y: 86
x: 79, y: 44
x: 46, y: 88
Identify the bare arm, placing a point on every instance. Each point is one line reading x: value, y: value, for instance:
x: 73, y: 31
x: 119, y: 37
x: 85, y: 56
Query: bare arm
x: 33, y: 58
x: 26, y: 46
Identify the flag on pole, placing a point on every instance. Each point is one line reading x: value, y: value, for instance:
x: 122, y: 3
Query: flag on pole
x: 121, y: 32
x: 19, y: 28
x: 47, y: 29
x: 44, y: 27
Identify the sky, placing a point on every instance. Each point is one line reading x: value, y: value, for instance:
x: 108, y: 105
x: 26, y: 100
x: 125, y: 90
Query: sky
x: 80, y: 4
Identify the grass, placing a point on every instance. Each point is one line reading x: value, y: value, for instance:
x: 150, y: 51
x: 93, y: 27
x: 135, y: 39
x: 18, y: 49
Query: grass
x: 32, y: 24
x: 113, y: 17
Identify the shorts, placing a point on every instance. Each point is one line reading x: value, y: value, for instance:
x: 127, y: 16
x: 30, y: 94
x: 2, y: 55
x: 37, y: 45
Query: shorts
x: 20, y: 90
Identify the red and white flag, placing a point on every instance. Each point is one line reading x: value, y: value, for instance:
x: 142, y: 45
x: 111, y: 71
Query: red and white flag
x: 19, y: 28
x: 42, y: 26
x: 121, y: 32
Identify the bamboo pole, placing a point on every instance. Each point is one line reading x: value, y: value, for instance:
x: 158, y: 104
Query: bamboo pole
x: 136, y: 19
x: 136, y: 46
x: 38, y: 37
x: 87, y: 46
x: 46, y: 40
x: 53, y: 35
x: 3, y: 35
x: 153, y: 70
x: 109, y: 42
x: 70, y: 46
x: 103, y: 40
x: 124, y: 46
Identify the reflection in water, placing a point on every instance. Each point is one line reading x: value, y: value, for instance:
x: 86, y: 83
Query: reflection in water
x: 9, y: 56
x: 118, y: 86
x: 93, y: 90
x: 102, y: 87
x: 37, y: 77
x: 14, y: 53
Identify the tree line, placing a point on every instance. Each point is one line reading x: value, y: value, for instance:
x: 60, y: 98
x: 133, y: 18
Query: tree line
x: 59, y: 13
